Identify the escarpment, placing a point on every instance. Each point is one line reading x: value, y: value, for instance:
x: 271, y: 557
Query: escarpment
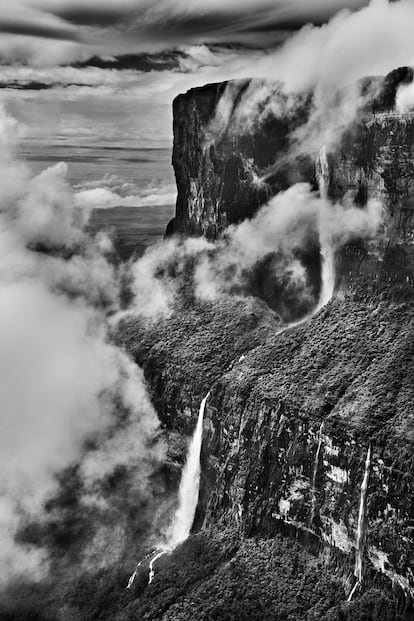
x: 309, y: 428
x: 228, y: 163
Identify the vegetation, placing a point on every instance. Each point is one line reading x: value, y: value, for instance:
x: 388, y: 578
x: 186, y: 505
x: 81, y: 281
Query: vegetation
x: 211, y: 577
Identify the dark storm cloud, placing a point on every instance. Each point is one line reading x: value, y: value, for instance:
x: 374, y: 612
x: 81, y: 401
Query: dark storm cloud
x: 88, y: 16
x: 25, y: 86
x: 227, y: 19
x: 162, y: 61
x: 120, y: 27
x: 164, y: 18
x: 43, y: 31
x: 192, y: 25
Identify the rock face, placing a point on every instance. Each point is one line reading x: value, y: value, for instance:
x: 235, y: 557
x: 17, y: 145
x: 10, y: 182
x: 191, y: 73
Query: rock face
x: 309, y: 428
x: 227, y: 166
x: 312, y: 432
x: 217, y: 163
x: 288, y: 432
x: 227, y: 162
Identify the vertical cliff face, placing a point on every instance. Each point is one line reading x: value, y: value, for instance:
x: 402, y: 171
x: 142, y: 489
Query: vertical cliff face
x: 288, y: 432
x: 227, y: 166
x: 290, y: 425
x: 218, y: 162
x: 224, y: 160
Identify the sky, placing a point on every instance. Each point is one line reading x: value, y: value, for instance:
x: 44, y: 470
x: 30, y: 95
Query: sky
x: 106, y: 71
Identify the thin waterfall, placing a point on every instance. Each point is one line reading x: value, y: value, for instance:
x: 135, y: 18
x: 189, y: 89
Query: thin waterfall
x: 187, y: 499
x: 361, y: 517
x: 151, y: 574
x: 327, y: 254
x: 134, y: 575
x: 322, y: 173
x: 315, y: 472
x: 361, y: 524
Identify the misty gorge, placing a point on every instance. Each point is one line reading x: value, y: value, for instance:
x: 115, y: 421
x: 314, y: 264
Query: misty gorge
x: 221, y: 426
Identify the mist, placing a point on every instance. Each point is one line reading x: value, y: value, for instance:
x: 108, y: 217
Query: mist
x: 327, y: 61
x: 70, y: 396
x: 289, y: 222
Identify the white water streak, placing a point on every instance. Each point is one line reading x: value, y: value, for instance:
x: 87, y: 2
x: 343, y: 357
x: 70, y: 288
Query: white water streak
x: 315, y: 472
x: 327, y: 253
x: 361, y: 525
x: 352, y: 593
x: 361, y: 518
x: 151, y: 565
x: 134, y: 575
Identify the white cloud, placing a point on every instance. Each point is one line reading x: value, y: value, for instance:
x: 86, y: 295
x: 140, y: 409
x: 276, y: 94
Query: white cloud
x: 405, y: 98
x: 62, y: 380
x: 102, y: 197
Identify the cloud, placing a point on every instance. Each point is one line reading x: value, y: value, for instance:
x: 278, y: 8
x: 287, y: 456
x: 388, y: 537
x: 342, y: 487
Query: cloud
x: 405, y: 98
x: 128, y: 26
x: 284, y: 226
x: 69, y: 394
x: 23, y: 18
x: 102, y: 197
x: 156, y: 278
x: 291, y: 222
x: 371, y: 41
x: 228, y: 19
x: 92, y: 13
x: 328, y: 61
x: 36, y: 51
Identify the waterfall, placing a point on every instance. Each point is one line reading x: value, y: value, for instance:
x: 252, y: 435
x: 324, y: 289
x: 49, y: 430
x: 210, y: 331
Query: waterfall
x: 189, y: 486
x: 361, y: 517
x: 322, y: 173
x: 327, y: 254
x: 187, y: 499
x: 315, y: 472
x: 134, y: 575
x: 151, y: 565
x: 361, y: 525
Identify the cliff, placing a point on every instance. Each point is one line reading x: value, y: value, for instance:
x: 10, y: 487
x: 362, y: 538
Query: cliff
x: 228, y: 163
x: 309, y: 430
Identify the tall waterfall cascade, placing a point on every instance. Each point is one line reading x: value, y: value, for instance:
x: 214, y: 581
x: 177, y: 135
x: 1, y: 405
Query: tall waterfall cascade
x: 189, y: 486
x: 327, y: 254
x: 187, y: 500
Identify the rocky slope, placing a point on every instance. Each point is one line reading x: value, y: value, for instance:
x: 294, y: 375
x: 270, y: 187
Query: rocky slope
x: 308, y: 434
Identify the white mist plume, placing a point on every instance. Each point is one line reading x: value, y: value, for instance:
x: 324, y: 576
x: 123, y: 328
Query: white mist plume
x: 156, y: 275
x: 329, y: 60
x: 281, y: 227
x: 371, y: 41
x: 62, y: 381
x: 405, y: 98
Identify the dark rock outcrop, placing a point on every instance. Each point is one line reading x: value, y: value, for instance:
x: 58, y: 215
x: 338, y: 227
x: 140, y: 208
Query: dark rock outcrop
x: 227, y: 165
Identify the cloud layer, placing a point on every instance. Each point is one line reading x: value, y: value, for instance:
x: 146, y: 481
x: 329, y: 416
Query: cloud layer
x: 69, y: 394
x: 134, y: 25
